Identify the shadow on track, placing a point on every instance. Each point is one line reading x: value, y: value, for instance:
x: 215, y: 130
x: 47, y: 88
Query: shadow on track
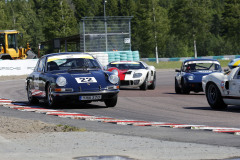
x: 230, y: 108
x: 191, y: 94
x: 67, y: 105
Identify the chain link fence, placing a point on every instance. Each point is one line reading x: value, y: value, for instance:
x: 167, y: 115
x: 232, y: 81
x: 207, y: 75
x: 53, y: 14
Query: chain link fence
x: 104, y: 34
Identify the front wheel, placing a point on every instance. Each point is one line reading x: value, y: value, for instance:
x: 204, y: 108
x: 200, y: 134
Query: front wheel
x: 177, y: 88
x: 111, y: 102
x: 153, y: 85
x: 51, y: 102
x: 184, y: 89
x: 214, y: 97
x: 144, y: 85
x: 31, y: 99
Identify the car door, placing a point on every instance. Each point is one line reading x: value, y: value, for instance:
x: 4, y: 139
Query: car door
x: 234, y: 88
x: 180, y: 74
x: 39, y: 87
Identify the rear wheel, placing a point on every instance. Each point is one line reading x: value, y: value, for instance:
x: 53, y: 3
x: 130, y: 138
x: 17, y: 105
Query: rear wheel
x: 111, y: 102
x: 31, y: 99
x: 214, y: 97
x: 51, y: 102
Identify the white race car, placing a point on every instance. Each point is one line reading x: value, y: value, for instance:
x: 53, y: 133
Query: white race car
x: 222, y: 89
x: 134, y: 74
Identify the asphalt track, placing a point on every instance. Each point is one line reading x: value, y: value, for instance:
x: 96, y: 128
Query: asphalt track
x: 159, y: 105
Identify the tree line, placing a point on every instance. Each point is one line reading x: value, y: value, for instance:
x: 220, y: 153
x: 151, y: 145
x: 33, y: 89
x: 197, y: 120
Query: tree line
x: 174, y: 26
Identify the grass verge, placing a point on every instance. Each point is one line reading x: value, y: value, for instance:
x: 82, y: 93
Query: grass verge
x: 177, y: 64
x: 66, y: 128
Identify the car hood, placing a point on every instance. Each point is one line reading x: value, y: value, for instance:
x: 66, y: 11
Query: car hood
x: 123, y: 73
x: 198, y: 75
x: 86, y: 81
x: 201, y: 73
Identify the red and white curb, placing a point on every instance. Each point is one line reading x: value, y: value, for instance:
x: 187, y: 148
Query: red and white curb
x: 24, y: 107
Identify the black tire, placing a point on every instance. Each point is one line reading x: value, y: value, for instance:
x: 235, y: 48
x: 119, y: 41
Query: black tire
x: 184, y: 89
x: 111, y: 102
x: 144, y: 85
x: 31, y: 99
x: 214, y: 97
x: 177, y: 88
x: 51, y: 102
x: 153, y: 85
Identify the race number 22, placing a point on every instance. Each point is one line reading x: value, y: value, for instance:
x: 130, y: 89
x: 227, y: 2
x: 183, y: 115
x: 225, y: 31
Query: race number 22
x: 86, y: 80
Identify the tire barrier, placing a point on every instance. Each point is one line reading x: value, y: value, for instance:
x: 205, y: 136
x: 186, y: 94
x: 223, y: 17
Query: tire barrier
x: 107, y: 57
x: 102, y: 57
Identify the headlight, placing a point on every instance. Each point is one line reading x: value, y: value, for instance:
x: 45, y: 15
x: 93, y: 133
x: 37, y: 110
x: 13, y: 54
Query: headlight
x: 113, y: 79
x: 115, y: 72
x: 137, y: 75
x: 61, y: 81
x: 190, y: 78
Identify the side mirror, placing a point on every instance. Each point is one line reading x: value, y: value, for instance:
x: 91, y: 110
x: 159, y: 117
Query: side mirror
x: 105, y: 68
x: 226, y: 70
x: 177, y: 70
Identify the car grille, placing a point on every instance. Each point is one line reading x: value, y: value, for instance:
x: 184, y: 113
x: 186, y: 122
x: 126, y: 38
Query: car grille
x: 127, y: 83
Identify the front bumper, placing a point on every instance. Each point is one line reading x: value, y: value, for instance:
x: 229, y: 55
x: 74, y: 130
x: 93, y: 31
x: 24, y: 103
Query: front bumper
x: 197, y: 87
x: 85, y: 93
x: 132, y: 83
x: 74, y: 96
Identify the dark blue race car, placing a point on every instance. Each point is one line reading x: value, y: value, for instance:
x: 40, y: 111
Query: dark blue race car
x: 71, y: 77
x: 189, y: 77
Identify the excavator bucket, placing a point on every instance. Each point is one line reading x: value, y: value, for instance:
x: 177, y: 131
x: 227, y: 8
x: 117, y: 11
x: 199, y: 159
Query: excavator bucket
x: 31, y: 55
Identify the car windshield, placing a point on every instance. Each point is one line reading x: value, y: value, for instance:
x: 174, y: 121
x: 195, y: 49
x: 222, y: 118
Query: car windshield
x: 201, y: 65
x: 134, y: 65
x: 72, y: 63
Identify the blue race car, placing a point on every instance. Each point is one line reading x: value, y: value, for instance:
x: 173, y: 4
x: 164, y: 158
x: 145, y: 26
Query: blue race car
x: 71, y: 77
x: 234, y: 63
x: 189, y: 77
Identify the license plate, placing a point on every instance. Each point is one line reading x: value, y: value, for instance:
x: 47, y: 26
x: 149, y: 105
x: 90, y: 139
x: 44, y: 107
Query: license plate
x: 95, y: 97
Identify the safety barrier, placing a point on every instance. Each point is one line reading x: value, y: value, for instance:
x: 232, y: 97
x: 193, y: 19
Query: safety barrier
x: 17, y: 67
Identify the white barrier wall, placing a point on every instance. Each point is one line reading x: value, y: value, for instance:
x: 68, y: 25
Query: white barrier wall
x: 17, y: 67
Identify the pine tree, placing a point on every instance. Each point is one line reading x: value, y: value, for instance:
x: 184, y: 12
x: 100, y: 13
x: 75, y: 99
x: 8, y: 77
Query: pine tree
x: 59, y: 20
x: 191, y: 20
x: 231, y: 23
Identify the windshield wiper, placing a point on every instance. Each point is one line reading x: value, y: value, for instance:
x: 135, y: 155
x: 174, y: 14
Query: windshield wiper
x: 78, y: 69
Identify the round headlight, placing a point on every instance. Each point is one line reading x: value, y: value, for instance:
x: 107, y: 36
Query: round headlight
x: 137, y: 75
x: 113, y: 79
x: 61, y: 81
x: 190, y: 78
x: 115, y: 72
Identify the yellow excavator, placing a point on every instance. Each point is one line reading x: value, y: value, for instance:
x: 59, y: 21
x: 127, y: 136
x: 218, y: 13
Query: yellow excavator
x: 9, y: 46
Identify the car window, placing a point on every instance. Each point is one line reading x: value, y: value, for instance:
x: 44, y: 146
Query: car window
x: 201, y: 66
x: 237, y: 75
x: 183, y: 67
x: 72, y: 62
x: 36, y: 67
x: 136, y: 65
x: 41, y: 65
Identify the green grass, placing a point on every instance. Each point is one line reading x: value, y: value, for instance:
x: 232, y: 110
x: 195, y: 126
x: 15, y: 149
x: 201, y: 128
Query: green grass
x: 66, y: 128
x: 177, y: 64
